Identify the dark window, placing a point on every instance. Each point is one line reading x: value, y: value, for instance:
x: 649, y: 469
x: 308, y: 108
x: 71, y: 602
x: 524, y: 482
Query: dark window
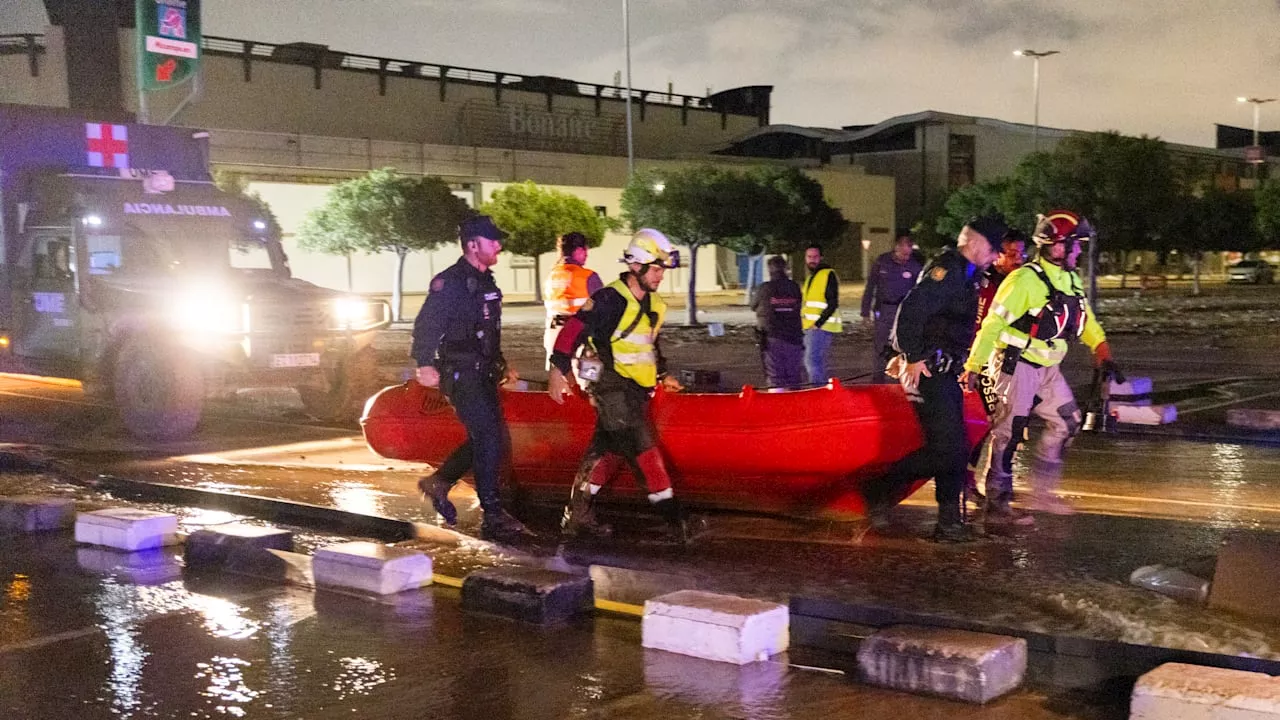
x: 960, y: 161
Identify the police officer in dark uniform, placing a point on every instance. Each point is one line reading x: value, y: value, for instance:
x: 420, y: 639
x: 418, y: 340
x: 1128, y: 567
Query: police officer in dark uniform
x: 456, y: 344
x: 889, y: 279
x: 933, y: 333
x: 777, y: 306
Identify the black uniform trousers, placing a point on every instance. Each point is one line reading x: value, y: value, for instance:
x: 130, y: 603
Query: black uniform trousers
x: 474, y: 396
x: 945, y: 452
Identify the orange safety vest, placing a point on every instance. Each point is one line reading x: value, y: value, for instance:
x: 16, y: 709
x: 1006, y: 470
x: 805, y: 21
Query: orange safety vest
x: 566, y: 290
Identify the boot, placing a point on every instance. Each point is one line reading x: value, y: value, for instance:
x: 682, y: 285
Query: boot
x: 1004, y: 515
x: 677, y: 523
x: 951, y: 527
x: 579, y: 515
x: 501, y: 526
x: 436, y: 489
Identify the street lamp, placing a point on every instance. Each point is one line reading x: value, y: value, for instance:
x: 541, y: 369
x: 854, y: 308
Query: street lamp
x: 1257, y: 108
x: 626, y: 31
x: 1035, y: 56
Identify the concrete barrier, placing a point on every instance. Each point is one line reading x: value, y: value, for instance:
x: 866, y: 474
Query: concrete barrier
x: 957, y: 664
x: 238, y: 544
x: 1254, y: 419
x: 371, y: 567
x: 127, y: 528
x: 1175, y: 691
x: 1144, y: 414
x: 30, y: 513
x: 530, y: 594
x: 724, y: 628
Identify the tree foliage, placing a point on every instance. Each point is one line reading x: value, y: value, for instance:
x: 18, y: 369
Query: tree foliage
x: 384, y: 211
x: 534, y: 217
x: 773, y: 209
x: 1267, y: 213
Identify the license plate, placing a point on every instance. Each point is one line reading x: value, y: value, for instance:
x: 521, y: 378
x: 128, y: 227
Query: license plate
x: 292, y: 360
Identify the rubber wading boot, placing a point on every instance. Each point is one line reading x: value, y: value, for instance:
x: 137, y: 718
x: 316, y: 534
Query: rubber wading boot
x: 502, y: 526
x: 437, y: 491
x: 677, y: 523
x: 580, y: 516
x: 951, y: 528
x: 1003, y: 515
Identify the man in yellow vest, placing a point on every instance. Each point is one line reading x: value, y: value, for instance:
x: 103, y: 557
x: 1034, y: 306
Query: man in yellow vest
x: 820, y: 317
x: 1038, y: 310
x: 620, y: 326
x: 568, y: 286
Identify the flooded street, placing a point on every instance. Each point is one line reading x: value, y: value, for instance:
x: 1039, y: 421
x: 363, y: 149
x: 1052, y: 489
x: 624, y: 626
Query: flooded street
x: 85, y: 634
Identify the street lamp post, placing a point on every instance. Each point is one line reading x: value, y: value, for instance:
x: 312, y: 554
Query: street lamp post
x: 1035, y: 56
x: 626, y: 31
x: 1257, y: 115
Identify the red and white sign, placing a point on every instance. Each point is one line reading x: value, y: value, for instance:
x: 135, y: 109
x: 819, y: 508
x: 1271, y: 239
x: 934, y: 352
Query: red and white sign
x: 1255, y: 154
x: 177, y: 48
x: 106, y: 145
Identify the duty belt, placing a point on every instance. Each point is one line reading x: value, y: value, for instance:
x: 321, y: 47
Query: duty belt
x: 558, y: 321
x: 944, y: 362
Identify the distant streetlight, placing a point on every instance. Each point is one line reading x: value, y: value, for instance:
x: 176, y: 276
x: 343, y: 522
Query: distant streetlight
x: 1035, y: 56
x: 626, y: 31
x: 1257, y: 112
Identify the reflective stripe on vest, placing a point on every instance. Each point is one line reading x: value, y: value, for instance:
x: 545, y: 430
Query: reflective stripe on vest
x: 634, y: 356
x: 566, y: 289
x: 815, y: 302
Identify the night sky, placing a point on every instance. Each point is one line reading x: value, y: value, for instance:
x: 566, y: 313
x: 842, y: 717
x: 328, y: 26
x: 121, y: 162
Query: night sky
x: 1168, y: 68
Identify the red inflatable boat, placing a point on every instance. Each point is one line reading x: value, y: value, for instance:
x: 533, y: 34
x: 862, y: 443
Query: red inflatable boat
x: 803, y: 452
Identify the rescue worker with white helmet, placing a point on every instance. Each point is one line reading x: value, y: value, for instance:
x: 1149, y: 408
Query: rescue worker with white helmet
x: 619, y: 325
x: 1038, y: 310
x: 568, y: 286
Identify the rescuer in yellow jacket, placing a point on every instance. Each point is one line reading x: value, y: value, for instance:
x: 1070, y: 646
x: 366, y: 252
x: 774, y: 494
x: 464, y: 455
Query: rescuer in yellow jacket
x: 1038, y: 310
x: 620, y: 324
x: 568, y: 286
x: 820, y: 314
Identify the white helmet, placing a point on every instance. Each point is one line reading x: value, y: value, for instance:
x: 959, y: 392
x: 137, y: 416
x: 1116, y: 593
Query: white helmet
x: 650, y: 247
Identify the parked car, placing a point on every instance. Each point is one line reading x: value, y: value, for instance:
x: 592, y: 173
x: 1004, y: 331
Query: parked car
x: 1252, y: 271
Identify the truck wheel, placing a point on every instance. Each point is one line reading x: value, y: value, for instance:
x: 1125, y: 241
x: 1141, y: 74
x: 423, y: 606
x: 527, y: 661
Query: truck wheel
x: 159, y: 391
x: 353, y: 382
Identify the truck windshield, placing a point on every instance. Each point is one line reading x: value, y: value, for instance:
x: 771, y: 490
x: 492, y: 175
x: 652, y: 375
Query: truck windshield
x: 153, y: 244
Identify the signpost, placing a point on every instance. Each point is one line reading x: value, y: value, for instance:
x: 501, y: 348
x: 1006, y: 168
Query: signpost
x: 167, y: 49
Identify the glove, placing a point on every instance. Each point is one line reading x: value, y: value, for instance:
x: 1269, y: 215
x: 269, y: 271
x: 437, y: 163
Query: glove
x: 1109, y: 369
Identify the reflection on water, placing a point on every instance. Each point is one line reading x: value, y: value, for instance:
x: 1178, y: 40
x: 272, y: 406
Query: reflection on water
x: 360, y: 675
x: 226, y: 684
x: 357, y: 497
x: 1226, y: 483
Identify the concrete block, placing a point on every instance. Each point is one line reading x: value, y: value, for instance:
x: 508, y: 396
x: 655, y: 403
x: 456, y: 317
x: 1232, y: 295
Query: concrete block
x: 30, y: 513
x: 1134, y: 386
x: 235, y: 543
x: 1175, y: 691
x: 156, y: 566
x: 724, y: 628
x: 1144, y: 414
x: 957, y: 664
x: 530, y: 594
x: 634, y: 587
x: 714, y: 684
x: 371, y: 567
x: 127, y: 528
x: 1254, y: 419
x: 1246, y: 578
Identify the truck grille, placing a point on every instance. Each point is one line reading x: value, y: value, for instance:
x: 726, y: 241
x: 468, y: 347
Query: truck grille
x: 283, y: 329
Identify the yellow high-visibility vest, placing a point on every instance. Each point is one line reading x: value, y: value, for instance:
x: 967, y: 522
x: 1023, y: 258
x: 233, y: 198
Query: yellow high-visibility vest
x: 815, y: 302
x: 634, y: 355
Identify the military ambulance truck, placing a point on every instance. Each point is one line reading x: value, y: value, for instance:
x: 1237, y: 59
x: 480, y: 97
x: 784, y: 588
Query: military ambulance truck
x: 124, y: 267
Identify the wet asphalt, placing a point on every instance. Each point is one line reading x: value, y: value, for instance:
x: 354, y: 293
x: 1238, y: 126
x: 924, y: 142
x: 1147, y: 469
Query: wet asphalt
x: 82, y: 635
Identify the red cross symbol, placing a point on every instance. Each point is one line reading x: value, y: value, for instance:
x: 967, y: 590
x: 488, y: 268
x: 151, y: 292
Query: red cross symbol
x: 107, y: 145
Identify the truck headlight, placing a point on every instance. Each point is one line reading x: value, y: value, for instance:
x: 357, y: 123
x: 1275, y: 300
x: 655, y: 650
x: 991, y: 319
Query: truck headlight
x: 208, y: 311
x: 358, y: 314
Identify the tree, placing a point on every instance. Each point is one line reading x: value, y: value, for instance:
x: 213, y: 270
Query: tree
x: 969, y: 202
x: 238, y: 184
x: 1216, y: 220
x: 385, y: 211
x: 1267, y: 205
x: 774, y: 208
x: 534, y: 217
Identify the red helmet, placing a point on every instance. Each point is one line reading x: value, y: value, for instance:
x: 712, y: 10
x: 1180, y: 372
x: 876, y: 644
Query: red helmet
x: 1061, y: 226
